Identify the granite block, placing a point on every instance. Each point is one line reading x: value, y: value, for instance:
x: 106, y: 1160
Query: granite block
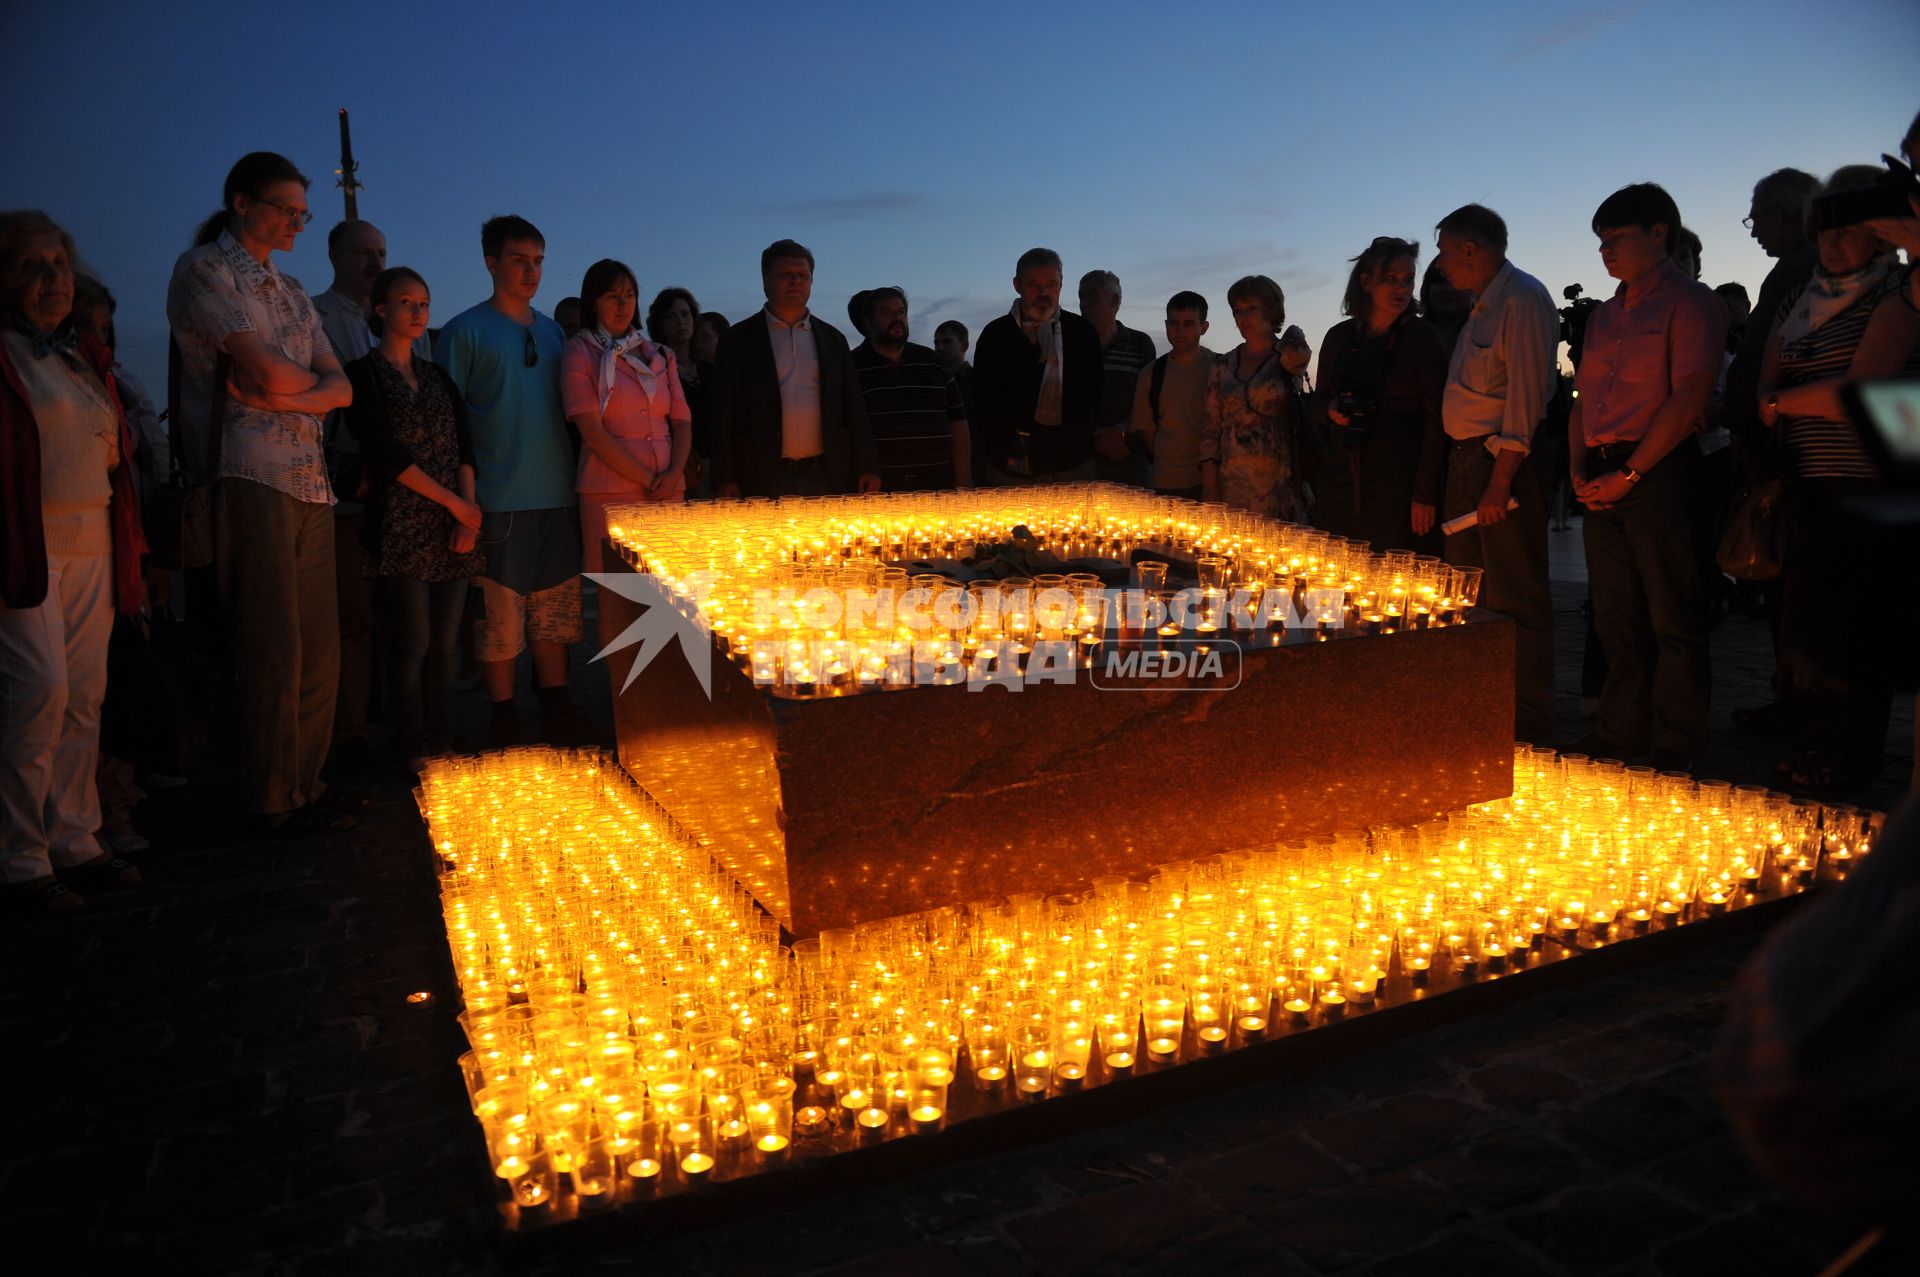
x: 840, y: 809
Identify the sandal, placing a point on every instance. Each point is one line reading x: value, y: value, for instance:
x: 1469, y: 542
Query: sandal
x: 47, y: 900
x: 106, y: 873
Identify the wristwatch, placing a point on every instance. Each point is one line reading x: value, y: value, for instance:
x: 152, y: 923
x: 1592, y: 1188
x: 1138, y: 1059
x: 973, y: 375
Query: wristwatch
x: 1631, y: 475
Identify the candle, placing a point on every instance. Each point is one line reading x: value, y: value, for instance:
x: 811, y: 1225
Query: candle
x: 771, y: 1143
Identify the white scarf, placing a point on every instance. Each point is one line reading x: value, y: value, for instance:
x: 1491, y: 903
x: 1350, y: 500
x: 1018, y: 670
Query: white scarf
x: 1047, y: 411
x: 1827, y: 295
x: 641, y: 355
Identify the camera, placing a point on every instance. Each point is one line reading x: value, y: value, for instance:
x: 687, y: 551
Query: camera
x: 1573, y: 320
x: 1886, y: 198
x: 1358, y: 410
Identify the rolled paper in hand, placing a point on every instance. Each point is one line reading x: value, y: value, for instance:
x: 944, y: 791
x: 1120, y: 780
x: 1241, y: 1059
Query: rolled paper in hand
x: 1471, y: 517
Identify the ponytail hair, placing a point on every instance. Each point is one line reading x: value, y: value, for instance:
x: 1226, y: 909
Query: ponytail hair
x: 252, y: 174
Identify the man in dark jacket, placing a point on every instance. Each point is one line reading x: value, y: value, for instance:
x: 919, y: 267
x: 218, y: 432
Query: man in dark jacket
x: 1037, y: 373
x: 788, y: 417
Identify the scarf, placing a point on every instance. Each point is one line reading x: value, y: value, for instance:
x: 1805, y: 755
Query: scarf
x: 640, y: 354
x: 1046, y: 335
x: 64, y: 337
x: 1827, y: 295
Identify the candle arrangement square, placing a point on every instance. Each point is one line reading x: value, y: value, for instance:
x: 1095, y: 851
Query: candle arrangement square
x: 822, y: 596
x: 908, y: 702
x: 638, y: 1030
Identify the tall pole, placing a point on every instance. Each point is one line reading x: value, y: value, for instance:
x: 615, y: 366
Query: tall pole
x: 349, y: 181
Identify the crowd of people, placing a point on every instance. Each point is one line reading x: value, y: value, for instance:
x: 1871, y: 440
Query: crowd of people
x: 335, y: 477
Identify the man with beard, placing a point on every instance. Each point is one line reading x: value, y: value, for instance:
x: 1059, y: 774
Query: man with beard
x: 1037, y: 374
x: 914, y: 406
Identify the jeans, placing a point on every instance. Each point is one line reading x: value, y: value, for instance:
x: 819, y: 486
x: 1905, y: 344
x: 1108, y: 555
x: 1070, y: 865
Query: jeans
x: 422, y: 621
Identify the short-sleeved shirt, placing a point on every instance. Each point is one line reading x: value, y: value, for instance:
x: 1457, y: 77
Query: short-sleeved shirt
x: 522, y: 457
x: 1121, y: 362
x: 911, y: 408
x: 1651, y: 335
x: 638, y: 414
x: 219, y: 290
x: 1502, y: 373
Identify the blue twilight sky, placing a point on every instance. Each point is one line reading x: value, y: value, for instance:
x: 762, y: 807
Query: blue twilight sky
x: 929, y: 144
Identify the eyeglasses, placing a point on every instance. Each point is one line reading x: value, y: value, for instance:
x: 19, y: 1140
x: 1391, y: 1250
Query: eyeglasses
x: 304, y: 216
x: 1747, y: 221
x: 533, y: 350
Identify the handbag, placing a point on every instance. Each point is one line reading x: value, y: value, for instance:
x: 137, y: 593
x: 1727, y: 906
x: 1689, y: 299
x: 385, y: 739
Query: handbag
x: 178, y: 515
x: 1751, y: 547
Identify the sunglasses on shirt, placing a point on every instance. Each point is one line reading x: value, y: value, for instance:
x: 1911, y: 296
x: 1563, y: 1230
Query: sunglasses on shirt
x: 533, y: 351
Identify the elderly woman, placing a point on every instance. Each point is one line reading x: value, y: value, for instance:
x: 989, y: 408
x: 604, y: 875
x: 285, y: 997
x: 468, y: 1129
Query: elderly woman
x: 1377, y: 406
x: 1247, y: 448
x: 1850, y: 321
x: 70, y: 548
x: 623, y: 393
x: 256, y: 376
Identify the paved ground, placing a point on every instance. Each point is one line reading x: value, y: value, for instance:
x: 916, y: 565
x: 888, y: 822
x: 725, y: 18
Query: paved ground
x: 219, y: 1072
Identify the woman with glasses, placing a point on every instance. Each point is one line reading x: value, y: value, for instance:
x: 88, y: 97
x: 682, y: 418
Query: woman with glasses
x: 1253, y: 408
x: 256, y: 377
x: 1376, y: 408
x: 623, y: 393
x: 422, y: 525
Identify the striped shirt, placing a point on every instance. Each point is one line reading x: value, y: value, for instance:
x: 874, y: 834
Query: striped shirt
x: 1832, y: 449
x: 911, y: 408
x: 1121, y: 362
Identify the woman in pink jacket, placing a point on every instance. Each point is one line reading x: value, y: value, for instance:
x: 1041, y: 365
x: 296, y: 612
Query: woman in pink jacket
x: 622, y: 392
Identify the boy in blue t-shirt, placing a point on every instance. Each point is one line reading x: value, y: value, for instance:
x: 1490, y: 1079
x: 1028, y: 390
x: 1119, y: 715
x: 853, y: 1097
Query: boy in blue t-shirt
x: 505, y: 358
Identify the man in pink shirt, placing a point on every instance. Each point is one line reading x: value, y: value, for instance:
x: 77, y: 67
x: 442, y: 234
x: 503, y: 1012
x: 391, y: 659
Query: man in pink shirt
x: 1653, y: 353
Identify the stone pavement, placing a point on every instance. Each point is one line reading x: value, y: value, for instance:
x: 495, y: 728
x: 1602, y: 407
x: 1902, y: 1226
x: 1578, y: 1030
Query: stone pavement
x: 219, y: 1072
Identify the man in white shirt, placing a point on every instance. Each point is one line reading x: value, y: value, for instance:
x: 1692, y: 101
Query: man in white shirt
x: 788, y: 415
x: 1498, y: 385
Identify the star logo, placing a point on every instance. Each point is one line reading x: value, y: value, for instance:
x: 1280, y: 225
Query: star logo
x: 662, y: 623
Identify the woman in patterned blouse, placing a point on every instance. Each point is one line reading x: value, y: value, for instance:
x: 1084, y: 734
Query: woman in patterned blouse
x: 1247, y: 448
x: 254, y: 357
x: 422, y: 524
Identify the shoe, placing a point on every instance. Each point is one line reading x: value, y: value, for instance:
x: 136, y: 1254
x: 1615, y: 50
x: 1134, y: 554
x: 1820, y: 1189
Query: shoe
x: 503, y: 730
x: 41, y: 900
x: 160, y: 780
x: 106, y: 873
x: 126, y: 844
x: 315, y: 820
x: 564, y: 724
x: 1762, y: 720
x: 1670, y: 760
